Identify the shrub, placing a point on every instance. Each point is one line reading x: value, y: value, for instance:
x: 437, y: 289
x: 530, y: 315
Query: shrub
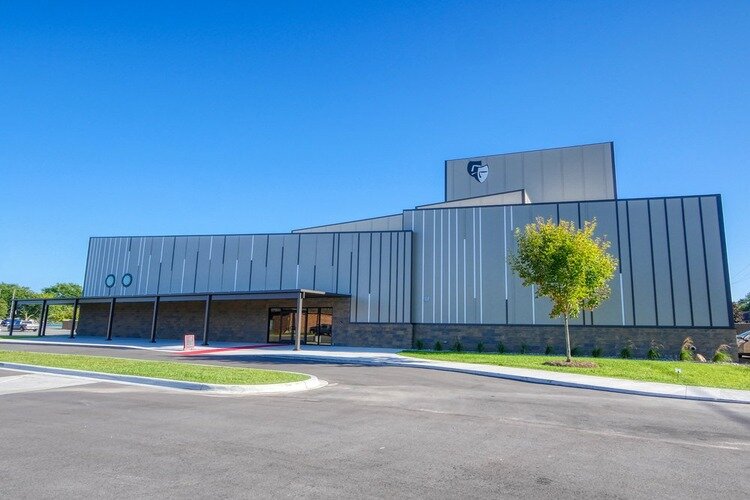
x: 549, y: 349
x: 418, y: 345
x: 687, y: 350
x: 576, y: 351
x: 480, y: 347
x: 722, y: 354
x: 524, y: 348
x: 596, y: 352
x: 654, y: 351
x: 501, y: 348
x: 457, y: 346
x: 626, y: 352
x: 438, y: 346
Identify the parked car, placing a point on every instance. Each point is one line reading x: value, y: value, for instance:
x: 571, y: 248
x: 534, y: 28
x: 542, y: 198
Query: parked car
x: 743, y: 345
x: 29, y: 326
x: 20, y: 325
x: 5, y: 323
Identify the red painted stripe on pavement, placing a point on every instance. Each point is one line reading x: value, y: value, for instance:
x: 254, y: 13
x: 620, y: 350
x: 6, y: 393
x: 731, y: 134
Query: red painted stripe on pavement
x: 222, y: 349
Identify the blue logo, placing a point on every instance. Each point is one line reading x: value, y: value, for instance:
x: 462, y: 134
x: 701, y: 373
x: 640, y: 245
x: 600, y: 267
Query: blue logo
x: 478, y: 171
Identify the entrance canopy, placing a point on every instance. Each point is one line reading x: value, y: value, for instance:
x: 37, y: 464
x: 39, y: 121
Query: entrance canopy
x: 297, y: 294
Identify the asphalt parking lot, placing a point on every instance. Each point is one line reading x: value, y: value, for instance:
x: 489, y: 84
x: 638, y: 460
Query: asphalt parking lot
x: 372, y: 432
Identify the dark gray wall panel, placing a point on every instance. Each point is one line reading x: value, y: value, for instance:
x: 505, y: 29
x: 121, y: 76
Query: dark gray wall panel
x: 553, y: 175
x: 696, y: 262
x: 467, y: 249
x: 378, y: 264
x: 719, y: 298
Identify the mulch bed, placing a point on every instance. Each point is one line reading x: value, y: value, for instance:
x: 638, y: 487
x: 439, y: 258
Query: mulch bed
x: 572, y: 364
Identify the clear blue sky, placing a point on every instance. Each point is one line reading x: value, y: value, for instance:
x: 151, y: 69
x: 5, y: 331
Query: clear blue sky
x: 216, y: 117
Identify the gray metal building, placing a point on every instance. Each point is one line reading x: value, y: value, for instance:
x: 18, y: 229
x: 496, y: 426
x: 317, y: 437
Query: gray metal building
x: 432, y: 273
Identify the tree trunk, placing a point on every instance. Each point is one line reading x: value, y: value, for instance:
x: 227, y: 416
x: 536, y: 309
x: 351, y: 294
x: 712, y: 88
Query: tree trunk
x: 567, y: 339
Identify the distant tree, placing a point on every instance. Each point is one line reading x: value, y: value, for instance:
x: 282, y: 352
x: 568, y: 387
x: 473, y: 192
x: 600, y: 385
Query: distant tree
x: 58, y: 313
x: 744, y: 303
x: 66, y: 290
x: 737, y: 312
x: 568, y: 265
x: 7, y: 291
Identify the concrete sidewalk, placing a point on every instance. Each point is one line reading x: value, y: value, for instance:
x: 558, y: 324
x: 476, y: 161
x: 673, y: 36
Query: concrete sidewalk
x: 389, y: 357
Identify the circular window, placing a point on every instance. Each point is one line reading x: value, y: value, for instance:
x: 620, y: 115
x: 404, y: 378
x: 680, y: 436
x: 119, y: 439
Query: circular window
x: 110, y: 280
x: 127, y: 279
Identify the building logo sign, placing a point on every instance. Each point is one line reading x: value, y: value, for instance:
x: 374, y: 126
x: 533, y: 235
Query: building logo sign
x: 478, y: 171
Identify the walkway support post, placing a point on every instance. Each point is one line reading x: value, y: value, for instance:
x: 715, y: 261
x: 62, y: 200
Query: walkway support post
x: 42, y: 319
x: 206, y: 318
x: 13, y: 307
x: 298, y: 327
x: 111, y: 318
x: 73, y: 322
x: 154, y: 318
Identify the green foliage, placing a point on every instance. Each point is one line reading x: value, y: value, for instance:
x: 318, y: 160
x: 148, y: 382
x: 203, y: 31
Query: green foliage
x: 480, y: 347
x: 686, y: 355
x: 549, y: 349
x: 63, y: 290
x: 722, y: 354
x: 418, y: 345
x: 21, y: 292
x: 576, y: 351
x: 744, y: 303
x: 626, y: 352
x: 457, y: 346
x: 570, y: 266
x: 501, y: 348
x: 654, y: 351
x: 524, y: 348
x: 438, y: 346
x: 596, y: 352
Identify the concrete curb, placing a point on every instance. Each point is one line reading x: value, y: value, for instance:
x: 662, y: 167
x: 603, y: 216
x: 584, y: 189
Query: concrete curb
x: 87, y: 344
x: 311, y: 383
x: 591, y: 382
x: 621, y: 386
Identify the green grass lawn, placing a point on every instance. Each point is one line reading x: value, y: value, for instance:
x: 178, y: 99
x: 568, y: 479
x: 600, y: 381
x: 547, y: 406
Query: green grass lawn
x: 728, y: 376
x: 18, y: 336
x: 158, y: 369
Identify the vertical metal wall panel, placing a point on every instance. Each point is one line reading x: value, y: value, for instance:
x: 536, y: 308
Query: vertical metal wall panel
x: 245, y: 261
x: 696, y: 262
x: 231, y: 263
x: 408, y: 265
x: 640, y: 252
x: 393, y: 281
x: 678, y: 257
x: 373, y: 294
x: 662, y: 266
x: 258, y: 274
x: 273, y: 262
x: 187, y: 282
x: 180, y: 246
x: 573, y: 187
x: 325, y: 264
x: 532, y: 170
x: 492, y: 305
x: 384, y: 278
x: 552, y: 175
x: 609, y: 312
x: 418, y: 298
x: 345, y: 260
x: 625, y: 264
x: 203, y: 264
x: 361, y: 274
x: 151, y: 265
x: 719, y: 301
x: 216, y: 265
x: 292, y: 276
x: 165, y: 269
x: 520, y: 297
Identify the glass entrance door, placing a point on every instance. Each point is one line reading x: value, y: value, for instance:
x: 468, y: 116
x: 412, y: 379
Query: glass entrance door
x: 317, y: 325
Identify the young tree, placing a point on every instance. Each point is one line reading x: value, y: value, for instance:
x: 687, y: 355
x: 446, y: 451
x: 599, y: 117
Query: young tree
x: 58, y: 313
x: 570, y: 266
